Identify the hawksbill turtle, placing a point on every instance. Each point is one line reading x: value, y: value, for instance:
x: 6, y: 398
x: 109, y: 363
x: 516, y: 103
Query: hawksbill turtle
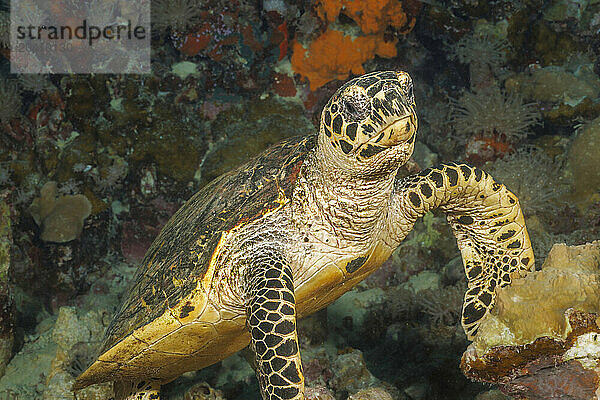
x: 291, y: 231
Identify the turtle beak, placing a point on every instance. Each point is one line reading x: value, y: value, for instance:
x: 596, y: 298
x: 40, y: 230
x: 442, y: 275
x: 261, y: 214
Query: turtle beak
x: 398, y: 131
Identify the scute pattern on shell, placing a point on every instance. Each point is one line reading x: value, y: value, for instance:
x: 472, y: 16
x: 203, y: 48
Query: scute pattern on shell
x: 180, y: 255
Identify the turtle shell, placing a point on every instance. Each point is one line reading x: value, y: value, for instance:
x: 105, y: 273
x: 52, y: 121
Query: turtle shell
x: 180, y: 256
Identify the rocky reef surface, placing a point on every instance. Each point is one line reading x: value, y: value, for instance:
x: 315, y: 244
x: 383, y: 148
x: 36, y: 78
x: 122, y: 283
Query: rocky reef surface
x: 542, y: 339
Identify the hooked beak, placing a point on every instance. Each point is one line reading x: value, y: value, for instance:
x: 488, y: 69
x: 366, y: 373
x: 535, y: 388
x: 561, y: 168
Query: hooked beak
x: 396, y: 132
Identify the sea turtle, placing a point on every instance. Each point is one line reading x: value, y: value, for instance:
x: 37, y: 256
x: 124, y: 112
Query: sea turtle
x: 292, y: 230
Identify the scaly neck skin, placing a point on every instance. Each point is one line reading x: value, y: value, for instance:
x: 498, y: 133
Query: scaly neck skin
x: 348, y: 205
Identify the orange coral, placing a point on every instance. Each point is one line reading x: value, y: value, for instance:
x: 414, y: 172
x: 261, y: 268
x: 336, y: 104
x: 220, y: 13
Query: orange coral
x: 334, y: 55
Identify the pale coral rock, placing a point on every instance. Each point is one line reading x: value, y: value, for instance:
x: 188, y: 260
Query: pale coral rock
x: 25, y: 374
x: 61, y: 218
x: 58, y: 387
x: 371, y: 394
x: 492, y: 395
x: 351, y: 373
x: 203, y: 391
x: 68, y: 330
x: 318, y: 393
x: 554, y: 84
x: 542, y: 339
x: 350, y: 311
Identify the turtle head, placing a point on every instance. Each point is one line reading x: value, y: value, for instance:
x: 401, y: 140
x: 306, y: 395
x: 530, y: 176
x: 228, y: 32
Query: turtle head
x: 371, y: 120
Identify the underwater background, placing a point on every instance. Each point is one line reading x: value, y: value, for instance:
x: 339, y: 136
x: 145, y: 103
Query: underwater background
x: 91, y: 167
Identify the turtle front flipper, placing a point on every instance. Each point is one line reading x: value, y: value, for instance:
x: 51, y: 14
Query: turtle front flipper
x: 486, y: 219
x: 142, y: 390
x: 271, y: 320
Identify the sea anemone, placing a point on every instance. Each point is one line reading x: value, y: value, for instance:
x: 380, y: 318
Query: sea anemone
x: 443, y: 306
x: 35, y: 83
x: 481, y: 47
x: 110, y: 178
x: 492, y: 113
x: 10, y: 106
x: 533, y: 176
x: 485, y: 53
x: 175, y: 15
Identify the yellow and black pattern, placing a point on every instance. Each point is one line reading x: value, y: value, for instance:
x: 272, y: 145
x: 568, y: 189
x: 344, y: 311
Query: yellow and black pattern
x: 271, y: 320
x: 488, y: 224
x: 371, y: 113
x: 142, y: 390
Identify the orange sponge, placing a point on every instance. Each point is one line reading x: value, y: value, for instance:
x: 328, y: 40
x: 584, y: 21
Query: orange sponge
x: 372, y: 16
x: 333, y: 55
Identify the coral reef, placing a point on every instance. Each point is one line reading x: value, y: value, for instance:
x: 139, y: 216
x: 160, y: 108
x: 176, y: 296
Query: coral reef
x: 351, y: 374
x: 442, y: 306
x: 555, y: 84
x: 9, y: 109
x: 7, y: 311
x: 541, y: 339
x: 61, y: 218
x: 224, y: 85
x: 371, y: 394
x: 4, y: 29
x: 36, y: 83
x: 203, y: 391
x: 371, y: 16
x: 244, y: 131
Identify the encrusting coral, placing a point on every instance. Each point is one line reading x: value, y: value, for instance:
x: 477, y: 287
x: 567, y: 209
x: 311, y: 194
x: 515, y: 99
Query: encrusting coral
x: 61, y: 218
x: 541, y: 339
